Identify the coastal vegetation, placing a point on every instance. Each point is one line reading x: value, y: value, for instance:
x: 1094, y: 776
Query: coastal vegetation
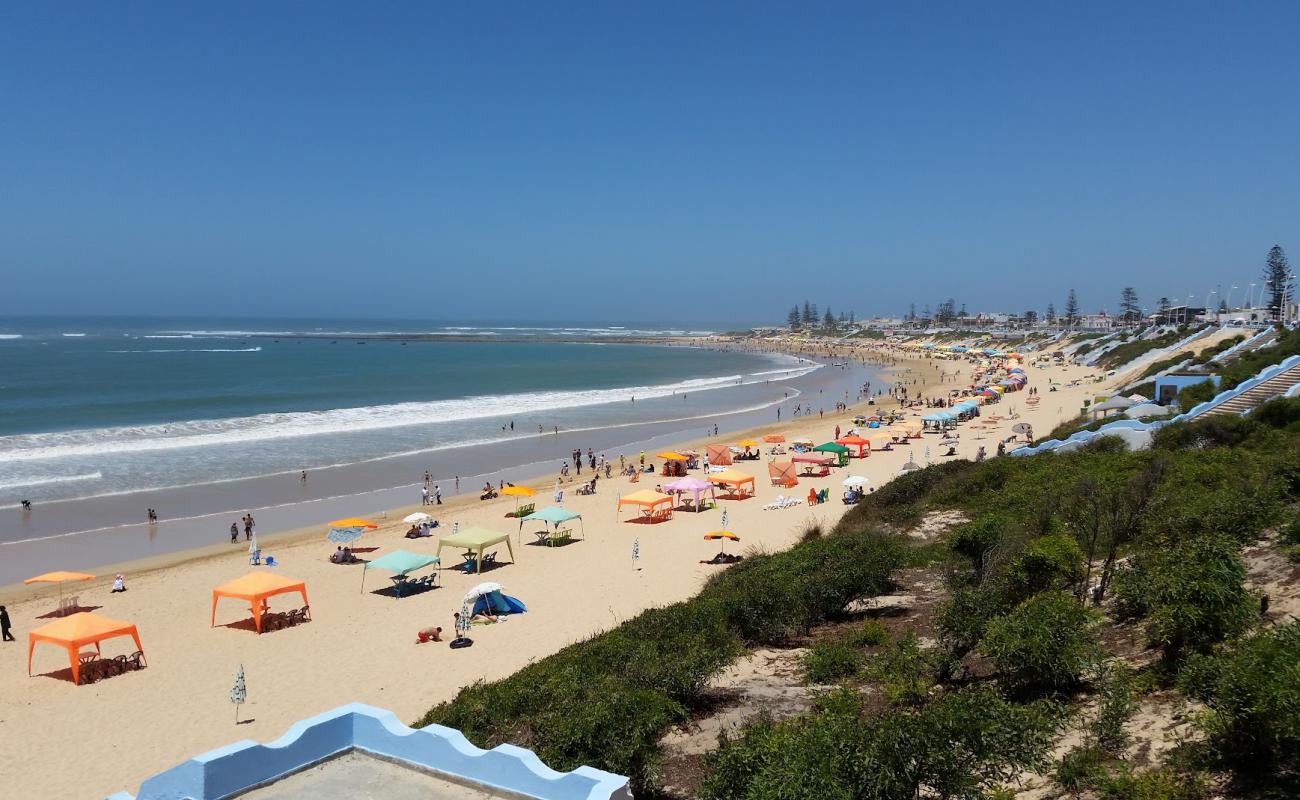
x: 1075, y: 592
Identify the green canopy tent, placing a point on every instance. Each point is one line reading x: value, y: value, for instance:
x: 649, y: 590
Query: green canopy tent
x: 840, y: 452
x: 398, y: 562
x: 475, y: 541
x: 553, y: 515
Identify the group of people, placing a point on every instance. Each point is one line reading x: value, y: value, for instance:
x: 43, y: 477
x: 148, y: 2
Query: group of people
x: 249, y: 526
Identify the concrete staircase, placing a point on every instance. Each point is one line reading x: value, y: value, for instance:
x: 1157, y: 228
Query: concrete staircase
x: 1257, y: 395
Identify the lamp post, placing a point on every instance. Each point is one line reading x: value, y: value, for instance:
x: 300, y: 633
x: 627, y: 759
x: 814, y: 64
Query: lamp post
x: 1229, y: 300
x: 1207, y: 305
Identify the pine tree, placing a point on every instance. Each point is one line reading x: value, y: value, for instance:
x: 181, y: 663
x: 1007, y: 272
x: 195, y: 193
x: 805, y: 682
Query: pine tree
x: 828, y: 321
x: 852, y: 318
x: 1223, y: 306
x: 1277, y: 279
x: 911, y: 312
x: 1071, y: 310
x: 809, y: 318
x: 1162, y: 308
x: 813, y: 319
x: 1130, y: 310
x: 1031, y: 318
x: 793, y: 319
x: 1051, y: 313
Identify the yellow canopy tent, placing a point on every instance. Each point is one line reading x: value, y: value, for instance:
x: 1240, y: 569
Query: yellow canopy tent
x: 476, y: 540
x: 735, y: 479
x: 255, y: 588
x: 75, y: 632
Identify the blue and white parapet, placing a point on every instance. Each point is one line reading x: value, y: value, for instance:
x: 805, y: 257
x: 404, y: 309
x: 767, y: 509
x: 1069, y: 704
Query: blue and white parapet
x: 245, y: 765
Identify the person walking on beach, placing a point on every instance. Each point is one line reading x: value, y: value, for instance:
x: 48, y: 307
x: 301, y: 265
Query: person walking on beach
x: 424, y: 496
x: 427, y: 478
x: 437, y: 493
x: 234, y: 531
x: 5, y: 625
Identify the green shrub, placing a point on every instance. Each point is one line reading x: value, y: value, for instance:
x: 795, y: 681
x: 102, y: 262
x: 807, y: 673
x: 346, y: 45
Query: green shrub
x: 1254, y: 700
x: 975, y: 540
x: 1290, y: 533
x: 1117, y: 707
x: 871, y: 633
x: 606, y: 701
x: 1155, y: 784
x: 1048, y: 562
x: 827, y: 662
x: 1197, y: 595
x: 1045, y: 644
x: 963, y: 619
x: 1282, y: 413
x: 904, y: 672
x: 958, y: 746
x: 769, y: 600
x: 1080, y: 768
x: 1191, y: 396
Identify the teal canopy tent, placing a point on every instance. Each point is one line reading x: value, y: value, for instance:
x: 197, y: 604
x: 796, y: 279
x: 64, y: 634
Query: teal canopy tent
x: 554, y: 515
x: 398, y: 562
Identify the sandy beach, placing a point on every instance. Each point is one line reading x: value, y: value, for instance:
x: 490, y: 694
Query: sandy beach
x: 109, y: 735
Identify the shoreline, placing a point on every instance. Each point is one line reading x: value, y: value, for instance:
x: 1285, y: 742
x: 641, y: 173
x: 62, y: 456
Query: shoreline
x: 16, y: 591
x: 359, y: 645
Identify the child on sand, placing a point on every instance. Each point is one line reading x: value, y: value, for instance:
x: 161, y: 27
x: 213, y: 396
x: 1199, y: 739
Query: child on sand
x: 432, y: 634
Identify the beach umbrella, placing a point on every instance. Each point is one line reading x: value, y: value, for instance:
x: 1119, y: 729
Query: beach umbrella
x: 1021, y: 428
x: 238, y: 692
x: 671, y: 455
x: 60, y: 578
x: 341, y: 535
x: 348, y: 530
x: 636, y: 551
x: 518, y: 492
x: 721, y: 536
x: 417, y: 518
x: 747, y: 443
x: 855, y: 480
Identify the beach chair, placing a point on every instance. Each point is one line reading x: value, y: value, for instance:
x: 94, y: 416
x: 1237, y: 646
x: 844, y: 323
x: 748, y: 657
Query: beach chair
x: 136, y: 660
x: 813, y: 497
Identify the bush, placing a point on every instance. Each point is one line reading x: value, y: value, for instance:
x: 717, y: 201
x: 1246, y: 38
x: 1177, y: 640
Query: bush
x: 827, y: 662
x: 769, y: 600
x: 904, y: 672
x: 1048, y: 562
x: 1197, y: 596
x: 1044, y: 645
x: 1155, y: 784
x: 1282, y: 413
x: 1254, y: 700
x: 1080, y: 769
x: 958, y: 746
x: 1191, y: 396
x: 871, y: 633
x: 976, y: 540
x: 606, y: 701
x: 1117, y: 707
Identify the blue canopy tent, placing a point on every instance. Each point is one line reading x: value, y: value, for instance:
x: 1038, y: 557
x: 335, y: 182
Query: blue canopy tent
x: 489, y: 598
x: 939, y: 421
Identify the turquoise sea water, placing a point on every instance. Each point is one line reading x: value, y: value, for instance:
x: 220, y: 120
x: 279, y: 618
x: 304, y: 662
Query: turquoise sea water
x: 102, y: 407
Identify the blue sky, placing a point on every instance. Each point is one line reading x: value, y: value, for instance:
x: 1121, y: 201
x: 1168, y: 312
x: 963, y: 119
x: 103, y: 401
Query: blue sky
x: 678, y: 161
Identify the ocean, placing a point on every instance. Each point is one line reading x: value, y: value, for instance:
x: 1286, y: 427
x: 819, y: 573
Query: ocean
x: 103, y: 418
x: 131, y: 405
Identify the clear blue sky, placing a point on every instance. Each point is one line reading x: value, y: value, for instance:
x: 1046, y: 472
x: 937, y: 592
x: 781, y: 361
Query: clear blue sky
x: 658, y: 160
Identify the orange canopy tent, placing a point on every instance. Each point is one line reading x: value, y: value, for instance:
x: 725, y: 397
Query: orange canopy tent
x: 736, y: 480
x: 782, y: 473
x: 719, y: 454
x: 353, y: 522
x: 255, y: 588
x: 853, y: 440
x: 75, y: 632
x: 649, y: 500
x: 60, y: 578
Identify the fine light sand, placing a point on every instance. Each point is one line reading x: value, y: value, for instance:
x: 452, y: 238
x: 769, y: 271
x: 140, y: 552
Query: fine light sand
x: 88, y: 741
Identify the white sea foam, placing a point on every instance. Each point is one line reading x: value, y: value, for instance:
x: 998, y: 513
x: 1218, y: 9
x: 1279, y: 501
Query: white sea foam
x: 11, y: 336
x: 168, y: 336
x: 196, y: 350
x: 74, y: 335
x: 286, y: 425
x: 19, y: 483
